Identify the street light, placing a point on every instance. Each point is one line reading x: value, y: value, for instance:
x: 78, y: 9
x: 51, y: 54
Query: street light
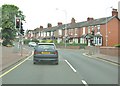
x: 65, y: 24
x: 107, y: 28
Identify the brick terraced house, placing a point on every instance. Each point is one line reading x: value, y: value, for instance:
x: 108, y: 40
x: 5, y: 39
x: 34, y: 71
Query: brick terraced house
x: 97, y: 32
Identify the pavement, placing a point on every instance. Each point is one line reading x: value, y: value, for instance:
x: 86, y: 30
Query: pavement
x: 113, y: 59
x: 11, y: 55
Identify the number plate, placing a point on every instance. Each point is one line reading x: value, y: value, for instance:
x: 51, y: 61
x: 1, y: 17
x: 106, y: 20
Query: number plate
x: 45, y: 52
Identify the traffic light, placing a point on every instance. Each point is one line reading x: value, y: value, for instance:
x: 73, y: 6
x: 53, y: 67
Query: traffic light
x: 18, y: 22
x: 21, y: 29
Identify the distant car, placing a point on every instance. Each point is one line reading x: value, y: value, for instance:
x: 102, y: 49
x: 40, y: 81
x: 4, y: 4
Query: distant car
x: 45, y: 52
x: 32, y: 44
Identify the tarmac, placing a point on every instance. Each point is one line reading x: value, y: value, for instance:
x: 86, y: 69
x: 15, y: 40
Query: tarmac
x: 11, y: 55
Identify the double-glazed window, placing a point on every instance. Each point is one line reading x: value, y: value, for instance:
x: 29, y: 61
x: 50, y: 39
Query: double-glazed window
x: 98, y: 40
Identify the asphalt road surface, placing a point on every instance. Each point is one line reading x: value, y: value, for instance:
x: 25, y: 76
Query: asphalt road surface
x: 73, y: 68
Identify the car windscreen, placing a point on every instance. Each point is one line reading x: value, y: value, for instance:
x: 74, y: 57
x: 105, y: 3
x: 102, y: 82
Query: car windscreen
x: 46, y: 46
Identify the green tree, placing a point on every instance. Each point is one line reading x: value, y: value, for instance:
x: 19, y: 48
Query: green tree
x: 8, y: 22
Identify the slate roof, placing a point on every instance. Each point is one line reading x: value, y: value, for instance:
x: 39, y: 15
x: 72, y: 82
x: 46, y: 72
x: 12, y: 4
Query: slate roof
x: 94, y: 22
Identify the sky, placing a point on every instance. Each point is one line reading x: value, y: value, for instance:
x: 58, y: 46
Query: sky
x: 41, y: 12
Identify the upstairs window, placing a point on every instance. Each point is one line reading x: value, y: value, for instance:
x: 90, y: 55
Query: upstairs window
x: 83, y: 30
x: 98, y: 28
x: 89, y: 29
x: 60, y: 32
x: 76, y: 31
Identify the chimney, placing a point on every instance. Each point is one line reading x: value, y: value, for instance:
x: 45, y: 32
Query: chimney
x: 41, y: 26
x: 90, y: 18
x: 49, y: 25
x: 114, y: 12
x: 59, y: 23
x: 119, y: 9
x: 72, y: 20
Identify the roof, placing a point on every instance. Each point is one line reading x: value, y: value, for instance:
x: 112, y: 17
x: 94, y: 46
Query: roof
x: 94, y: 22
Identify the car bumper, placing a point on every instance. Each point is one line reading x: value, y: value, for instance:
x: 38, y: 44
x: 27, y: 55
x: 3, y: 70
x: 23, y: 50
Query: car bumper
x: 39, y: 58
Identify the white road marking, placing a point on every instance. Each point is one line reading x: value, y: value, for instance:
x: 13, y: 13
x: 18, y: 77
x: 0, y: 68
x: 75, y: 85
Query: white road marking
x: 70, y: 66
x: 15, y: 66
x: 29, y: 59
x: 84, y: 82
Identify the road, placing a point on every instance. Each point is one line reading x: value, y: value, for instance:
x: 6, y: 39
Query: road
x: 73, y: 68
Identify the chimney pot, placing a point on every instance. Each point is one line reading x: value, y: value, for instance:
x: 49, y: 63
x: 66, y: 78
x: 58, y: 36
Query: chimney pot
x: 59, y: 23
x: 90, y: 18
x: 41, y: 26
x: 49, y: 25
x: 114, y: 12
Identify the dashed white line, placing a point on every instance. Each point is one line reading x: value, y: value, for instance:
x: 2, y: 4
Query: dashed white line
x: 84, y: 82
x: 70, y: 66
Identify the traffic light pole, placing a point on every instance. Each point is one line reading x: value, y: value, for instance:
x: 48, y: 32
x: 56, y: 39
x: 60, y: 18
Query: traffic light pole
x: 18, y: 28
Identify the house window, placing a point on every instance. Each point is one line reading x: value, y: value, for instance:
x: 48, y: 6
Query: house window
x: 83, y: 30
x: 51, y: 33
x: 89, y: 29
x: 44, y: 34
x: 65, y: 32
x: 71, y: 32
x: 76, y: 31
x: 92, y: 28
x: 39, y: 33
x: 82, y: 40
x: 47, y: 33
x: 98, y: 40
x: 60, y: 32
x: 98, y: 28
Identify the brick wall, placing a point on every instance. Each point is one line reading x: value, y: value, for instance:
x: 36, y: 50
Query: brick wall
x: 112, y: 51
x: 68, y: 47
x: 112, y: 30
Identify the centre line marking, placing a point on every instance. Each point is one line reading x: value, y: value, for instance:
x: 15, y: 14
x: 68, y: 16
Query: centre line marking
x: 15, y: 66
x: 84, y: 82
x: 70, y: 66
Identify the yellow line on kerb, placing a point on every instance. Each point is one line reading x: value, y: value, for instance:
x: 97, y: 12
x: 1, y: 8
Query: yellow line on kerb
x: 15, y: 66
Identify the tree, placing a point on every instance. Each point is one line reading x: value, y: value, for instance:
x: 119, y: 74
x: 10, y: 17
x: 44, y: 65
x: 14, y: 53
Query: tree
x: 8, y: 22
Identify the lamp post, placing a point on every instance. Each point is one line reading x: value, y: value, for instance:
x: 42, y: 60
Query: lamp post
x: 65, y: 25
x: 107, y: 28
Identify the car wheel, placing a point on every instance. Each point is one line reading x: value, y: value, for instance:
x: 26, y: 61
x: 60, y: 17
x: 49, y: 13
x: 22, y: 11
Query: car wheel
x: 56, y: 63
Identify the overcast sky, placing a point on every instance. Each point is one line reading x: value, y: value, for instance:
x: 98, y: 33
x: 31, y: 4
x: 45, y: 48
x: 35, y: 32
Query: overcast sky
x: 41, y: 12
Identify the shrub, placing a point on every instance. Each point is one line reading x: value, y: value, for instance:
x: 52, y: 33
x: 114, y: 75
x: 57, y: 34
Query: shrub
x: 26, y: 41
x: 117, y: 45
x: 35, y: 40
x: 43, y: 41
x: 49, y: 41
x: 7, y: 43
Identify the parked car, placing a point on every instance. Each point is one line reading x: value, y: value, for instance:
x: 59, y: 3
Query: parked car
x: 45, y: 52
x: 32, y: 44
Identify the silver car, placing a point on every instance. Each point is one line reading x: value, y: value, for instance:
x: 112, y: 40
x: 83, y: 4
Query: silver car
x: 32, y: 44
x: 45, y: 52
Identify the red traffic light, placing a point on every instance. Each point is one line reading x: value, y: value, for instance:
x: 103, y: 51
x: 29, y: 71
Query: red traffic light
x: 17, y: 20
x: 18, y: 23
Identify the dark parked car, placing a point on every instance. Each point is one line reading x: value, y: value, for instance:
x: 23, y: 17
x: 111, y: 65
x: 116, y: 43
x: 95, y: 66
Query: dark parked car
x: 45, y: 52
